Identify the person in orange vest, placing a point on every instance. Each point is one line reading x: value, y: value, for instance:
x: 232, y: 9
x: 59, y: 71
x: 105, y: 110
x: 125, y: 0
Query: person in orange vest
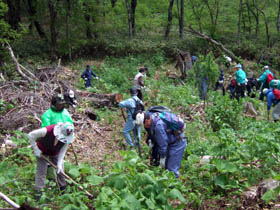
x: 273, y: 98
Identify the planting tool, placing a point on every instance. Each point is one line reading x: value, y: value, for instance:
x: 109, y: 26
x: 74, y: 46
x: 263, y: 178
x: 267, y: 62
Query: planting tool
x: 66, y: 176
x: 15, y: 205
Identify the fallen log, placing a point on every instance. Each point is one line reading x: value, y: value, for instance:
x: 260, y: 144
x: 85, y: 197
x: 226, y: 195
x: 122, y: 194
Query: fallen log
x: 218, y: 44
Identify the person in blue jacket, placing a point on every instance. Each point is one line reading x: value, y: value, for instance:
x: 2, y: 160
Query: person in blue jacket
x: 272, y: 99
x: 87, y: 76
x: 241, y: 82
x: 220, y: 83
x: 170, y: 148
x: 130, y: 105
x: 263, y: 79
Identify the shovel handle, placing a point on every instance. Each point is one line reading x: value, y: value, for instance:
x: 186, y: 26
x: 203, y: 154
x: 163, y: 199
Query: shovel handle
x: 66, y: 176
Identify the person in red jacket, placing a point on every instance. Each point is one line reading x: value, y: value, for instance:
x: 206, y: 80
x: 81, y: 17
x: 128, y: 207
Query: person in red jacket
x: 51, y: 141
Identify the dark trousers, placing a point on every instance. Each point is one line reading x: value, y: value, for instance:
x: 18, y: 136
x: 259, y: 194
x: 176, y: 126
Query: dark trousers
x: 203, y: 89
x: 240, y: 91
x: 139, y: 94
x: 221, y: 85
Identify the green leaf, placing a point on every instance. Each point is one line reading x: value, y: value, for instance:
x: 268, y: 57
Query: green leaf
x: 176, y: 194
x: 269, y: 195
x: 95, y: 180
x: 221, y: 181
x: 74, y: 172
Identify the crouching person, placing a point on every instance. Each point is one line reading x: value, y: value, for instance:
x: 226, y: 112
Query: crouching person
x: 51, y: 141
x: 170, y: 145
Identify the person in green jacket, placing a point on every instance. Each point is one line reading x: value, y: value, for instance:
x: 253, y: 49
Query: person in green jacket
x: 274, y: 84
x: 241, y: 81
x: 57, y: 112
x: 265, y: 79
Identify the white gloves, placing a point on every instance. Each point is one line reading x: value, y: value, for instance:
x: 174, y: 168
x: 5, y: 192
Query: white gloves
x: 37, y: 151
x: 86, y: 79
x: 97, y: 77
x: 59, y: 168
x: 221, y: 81
x: 162, y: 162
x: 150, y: 144
x: 238, y: 84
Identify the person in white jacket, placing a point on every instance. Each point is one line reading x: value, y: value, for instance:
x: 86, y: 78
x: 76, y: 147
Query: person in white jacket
x: 51, y: 141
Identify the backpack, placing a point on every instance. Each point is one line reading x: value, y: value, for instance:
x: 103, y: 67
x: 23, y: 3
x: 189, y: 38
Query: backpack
x: 276, y: 92
x: 269, y: 77
x: 138, y: 108
x: 233, y: 82
x: 158, y: 109
x: 173, y: 122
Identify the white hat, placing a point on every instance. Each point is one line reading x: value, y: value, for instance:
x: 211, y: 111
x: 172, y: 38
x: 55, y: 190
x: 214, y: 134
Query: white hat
x: 64, y: 132
x: 238, y: 66
x: 140, y: 119
x: 265, y: 90
x: 265, y: 67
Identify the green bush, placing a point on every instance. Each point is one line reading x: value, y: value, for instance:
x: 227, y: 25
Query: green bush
x: 224, y: 113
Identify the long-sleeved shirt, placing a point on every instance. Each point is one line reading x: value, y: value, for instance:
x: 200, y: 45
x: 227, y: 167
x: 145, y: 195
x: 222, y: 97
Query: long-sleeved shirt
x: 51, y: 117
x: 130, y: 105
x: 240, y: 76
x: 263, y: 77
x: 88, y: 73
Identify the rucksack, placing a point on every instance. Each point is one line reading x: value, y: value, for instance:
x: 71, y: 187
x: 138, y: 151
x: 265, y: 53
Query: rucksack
x: 276, y: 92
x: 173, y: 122
x: 158, y: 109
x: 233, y: 82
x: 269, y: 77
x: 138, y: 108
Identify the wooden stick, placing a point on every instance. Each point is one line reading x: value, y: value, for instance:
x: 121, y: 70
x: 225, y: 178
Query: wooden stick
x: 75, y: 155
x: 9, y: 201
x: 66, y: 176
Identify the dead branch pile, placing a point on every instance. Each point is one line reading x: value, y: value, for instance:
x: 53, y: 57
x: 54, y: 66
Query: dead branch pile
x: 25, y: 102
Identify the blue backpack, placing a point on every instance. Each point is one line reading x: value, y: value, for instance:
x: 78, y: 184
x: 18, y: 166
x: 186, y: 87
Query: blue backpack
x: 173, y: 122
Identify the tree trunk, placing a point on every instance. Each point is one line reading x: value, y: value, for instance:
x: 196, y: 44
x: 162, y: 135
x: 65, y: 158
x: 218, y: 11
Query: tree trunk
x: 133, y: 9
x: 53, y: 15
x: 239, y: 22
x: 68, y: 7
x: 214, y: 13
x: 14, y: 13
x: 249, y: 18
x: 171, y: 3
x: 278, y: 18
x: 31, y: 9
x: 129, y: 19
x: 181, y: 20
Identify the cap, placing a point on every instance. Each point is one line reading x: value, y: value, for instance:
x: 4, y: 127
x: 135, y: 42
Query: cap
x: 238, y: 66
x: 133, y: 90
x: 64, y: 132
x: 265, y: 90
x: 265, y: 67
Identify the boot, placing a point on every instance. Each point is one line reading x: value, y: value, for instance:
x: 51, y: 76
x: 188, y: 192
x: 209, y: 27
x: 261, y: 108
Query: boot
x: 38, y: 195
x: 275, y: 121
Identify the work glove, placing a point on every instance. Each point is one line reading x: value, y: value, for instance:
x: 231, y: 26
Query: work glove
x: 37, y: 152
x: 86, y: 79
x: 221, y: 81
x: 162, y: 162
x: 238, y: 84
x: 150, y: 144
x: 59, y: 168
x: 97, y: 78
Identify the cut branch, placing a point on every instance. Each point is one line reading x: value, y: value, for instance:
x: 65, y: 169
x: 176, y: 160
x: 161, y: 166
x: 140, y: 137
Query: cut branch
x: 17, y: 64
x: 218, y: 44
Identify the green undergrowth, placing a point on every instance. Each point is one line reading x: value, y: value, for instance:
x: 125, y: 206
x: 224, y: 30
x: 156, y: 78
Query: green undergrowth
x: 243, y: 150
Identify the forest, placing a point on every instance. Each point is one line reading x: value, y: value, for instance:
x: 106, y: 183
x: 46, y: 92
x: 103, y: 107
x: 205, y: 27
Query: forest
x: 232, y: 154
